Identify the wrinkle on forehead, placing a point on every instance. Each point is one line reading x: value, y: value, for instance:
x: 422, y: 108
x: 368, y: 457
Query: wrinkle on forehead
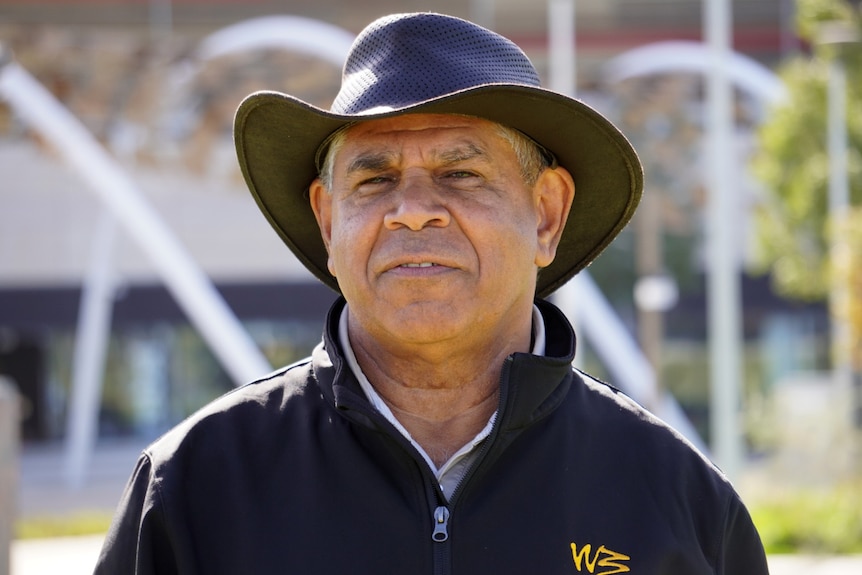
x: 377, y: 160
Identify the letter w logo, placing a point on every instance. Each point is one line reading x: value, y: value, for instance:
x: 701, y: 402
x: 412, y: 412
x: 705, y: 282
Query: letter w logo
x: 607, y: 561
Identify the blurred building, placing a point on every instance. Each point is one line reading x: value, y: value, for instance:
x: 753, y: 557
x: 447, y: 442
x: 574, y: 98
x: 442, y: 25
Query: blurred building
x: 127, y: 69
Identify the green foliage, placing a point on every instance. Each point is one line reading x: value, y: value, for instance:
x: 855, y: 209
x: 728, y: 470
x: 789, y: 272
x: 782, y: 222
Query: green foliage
x: 83, y: 523
x: 812, y: 13
x: 792, y: 222
x: 794, y: 165
x: 812, y: 521
x: 848, y: 274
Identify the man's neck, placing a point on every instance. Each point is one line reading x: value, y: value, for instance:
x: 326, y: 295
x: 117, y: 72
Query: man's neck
x: 442, y: 399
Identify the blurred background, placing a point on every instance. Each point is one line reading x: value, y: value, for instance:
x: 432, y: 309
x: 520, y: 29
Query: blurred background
x: 738, y: 283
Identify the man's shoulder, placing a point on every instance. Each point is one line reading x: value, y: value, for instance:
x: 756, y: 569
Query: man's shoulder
x: 258, y: 408
x: 626, y: 426
x: 270, y: 391
x: 641, y: 459
x: 614, y: 406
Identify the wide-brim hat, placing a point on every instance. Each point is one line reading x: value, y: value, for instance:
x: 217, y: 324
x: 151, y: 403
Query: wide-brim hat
x: 431, y: 63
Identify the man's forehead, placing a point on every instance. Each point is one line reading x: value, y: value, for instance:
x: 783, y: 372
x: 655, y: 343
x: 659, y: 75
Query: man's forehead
x: 446, y: 136
x: 382, y: 157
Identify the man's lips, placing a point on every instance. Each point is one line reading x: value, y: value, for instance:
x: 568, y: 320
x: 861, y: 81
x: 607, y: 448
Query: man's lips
x: 419, y: 266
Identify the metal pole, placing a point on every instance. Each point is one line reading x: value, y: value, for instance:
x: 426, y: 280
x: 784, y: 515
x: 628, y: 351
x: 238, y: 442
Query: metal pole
x: 161, y: 20
x: 723, y: 278
x: 562, y: 58
x: 9, y: 429
x: 839, y: 201
x: 207, y: 311
x: 91, y: 350
x: 650, y: 265
x: 482, y: 12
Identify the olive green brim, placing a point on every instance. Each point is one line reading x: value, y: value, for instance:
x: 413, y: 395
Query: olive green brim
x: 277, y: 136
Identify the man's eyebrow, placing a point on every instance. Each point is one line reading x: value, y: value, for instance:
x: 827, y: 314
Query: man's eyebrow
x: 461, y: 153
x: 370, y: 161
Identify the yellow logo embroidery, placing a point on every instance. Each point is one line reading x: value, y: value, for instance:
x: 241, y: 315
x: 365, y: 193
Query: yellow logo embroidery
x: 607, y: 561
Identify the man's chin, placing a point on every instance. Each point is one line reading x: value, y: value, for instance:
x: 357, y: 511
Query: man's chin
x: 426, y: 321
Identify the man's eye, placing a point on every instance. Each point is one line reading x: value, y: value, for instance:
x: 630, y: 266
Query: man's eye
x: 461, y: 174
x: 375, y: 181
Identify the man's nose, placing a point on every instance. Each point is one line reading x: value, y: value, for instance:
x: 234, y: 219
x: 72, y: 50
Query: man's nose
x: 417, y: 204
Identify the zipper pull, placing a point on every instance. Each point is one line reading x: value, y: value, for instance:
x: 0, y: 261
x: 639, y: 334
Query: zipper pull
x: 441, y: 525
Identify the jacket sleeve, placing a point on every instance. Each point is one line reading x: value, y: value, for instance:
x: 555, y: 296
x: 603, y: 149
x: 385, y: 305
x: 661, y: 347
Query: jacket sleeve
x: 138, y: 541
x: 742, y: 551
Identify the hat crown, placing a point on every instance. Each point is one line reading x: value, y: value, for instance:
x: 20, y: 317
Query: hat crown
x: 404, y: 59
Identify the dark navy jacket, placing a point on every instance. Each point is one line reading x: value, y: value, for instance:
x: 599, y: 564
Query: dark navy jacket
x: 297, y: 474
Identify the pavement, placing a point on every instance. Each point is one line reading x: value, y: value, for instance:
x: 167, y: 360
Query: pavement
x: 45, y: 491
x: 60, y: 555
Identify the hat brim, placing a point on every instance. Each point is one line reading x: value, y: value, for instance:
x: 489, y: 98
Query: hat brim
x: 277, y: 136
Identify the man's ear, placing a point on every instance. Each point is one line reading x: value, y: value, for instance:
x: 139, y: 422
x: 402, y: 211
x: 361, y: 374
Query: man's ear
x: 553, y: 193
x: 321, y: 205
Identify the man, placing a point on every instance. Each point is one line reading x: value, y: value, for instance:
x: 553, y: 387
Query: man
x: 439, y: 427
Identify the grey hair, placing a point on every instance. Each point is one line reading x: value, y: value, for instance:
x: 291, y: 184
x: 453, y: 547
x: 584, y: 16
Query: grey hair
x: 330, y: 147
x: 532, y: 157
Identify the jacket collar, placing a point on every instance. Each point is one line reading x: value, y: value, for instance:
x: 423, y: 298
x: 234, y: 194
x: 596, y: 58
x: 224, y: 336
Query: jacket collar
x: 531, y: 386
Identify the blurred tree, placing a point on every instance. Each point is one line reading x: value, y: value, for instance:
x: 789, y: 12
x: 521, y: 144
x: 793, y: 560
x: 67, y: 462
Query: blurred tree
x: 793, y: 226
x: 848, y: 270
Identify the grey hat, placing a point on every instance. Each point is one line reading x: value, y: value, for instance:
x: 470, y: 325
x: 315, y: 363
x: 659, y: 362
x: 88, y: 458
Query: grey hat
x: 431, y: 63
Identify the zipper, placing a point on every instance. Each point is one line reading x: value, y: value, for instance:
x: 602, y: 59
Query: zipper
x: 441, y: 524
x: 440, y: 535
x: 441, y: 548
x: 442, y: 511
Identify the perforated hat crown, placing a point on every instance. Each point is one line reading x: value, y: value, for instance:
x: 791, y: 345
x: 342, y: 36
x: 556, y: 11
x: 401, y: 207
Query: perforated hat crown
x: 401, y: 60
x: 432, y: 63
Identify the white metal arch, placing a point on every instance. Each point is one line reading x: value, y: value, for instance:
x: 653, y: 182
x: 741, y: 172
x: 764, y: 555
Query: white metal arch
x: 694, y: 57
x: 315, y: 38
x: 294, y: 33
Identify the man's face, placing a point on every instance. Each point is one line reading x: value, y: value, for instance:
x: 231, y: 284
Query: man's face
x: 432, y: 232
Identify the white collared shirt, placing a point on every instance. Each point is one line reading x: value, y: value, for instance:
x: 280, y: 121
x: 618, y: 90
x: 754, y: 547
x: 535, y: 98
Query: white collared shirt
x: 451, y: 472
